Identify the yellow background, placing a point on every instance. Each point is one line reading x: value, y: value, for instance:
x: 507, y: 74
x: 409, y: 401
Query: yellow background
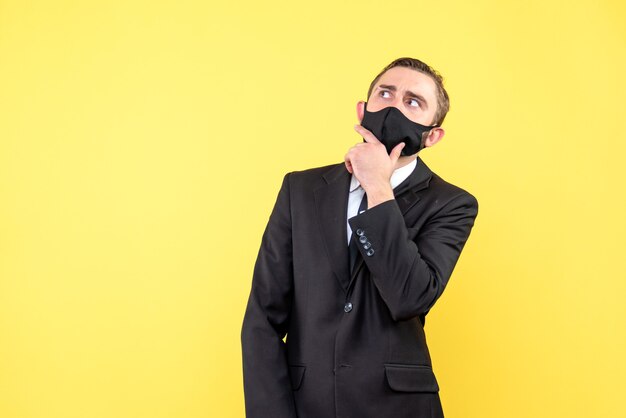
x: 142, y: 145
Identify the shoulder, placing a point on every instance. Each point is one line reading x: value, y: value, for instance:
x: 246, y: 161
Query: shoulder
x: 443, y: 193
x: 316, y: 175
x: 450, y: 189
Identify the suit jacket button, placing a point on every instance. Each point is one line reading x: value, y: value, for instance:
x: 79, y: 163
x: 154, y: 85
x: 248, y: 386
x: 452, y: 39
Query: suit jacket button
x: 370, y: 252
x: 367, y: 245
x: 363, y: 239
x: 360, y: 232
x: 347, y: 307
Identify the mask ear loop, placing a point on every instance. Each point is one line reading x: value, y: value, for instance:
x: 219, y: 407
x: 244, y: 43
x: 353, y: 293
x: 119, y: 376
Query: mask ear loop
x: 425, y: 135
x: 423, y: 140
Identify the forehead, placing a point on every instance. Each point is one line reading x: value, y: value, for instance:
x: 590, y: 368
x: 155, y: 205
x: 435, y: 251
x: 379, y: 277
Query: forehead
x: 409, y: 79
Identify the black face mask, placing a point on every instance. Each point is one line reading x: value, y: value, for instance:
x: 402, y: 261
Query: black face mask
x: 391, y: 127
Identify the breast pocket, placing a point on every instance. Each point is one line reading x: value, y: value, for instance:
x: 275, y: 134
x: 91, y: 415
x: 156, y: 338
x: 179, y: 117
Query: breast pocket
x: 411, y: 378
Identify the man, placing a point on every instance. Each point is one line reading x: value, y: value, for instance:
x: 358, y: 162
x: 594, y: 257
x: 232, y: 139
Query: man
x: 352, y: 259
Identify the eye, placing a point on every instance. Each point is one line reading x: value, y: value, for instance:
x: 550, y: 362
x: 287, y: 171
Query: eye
x: 383, y: 92
x: 414, y: 102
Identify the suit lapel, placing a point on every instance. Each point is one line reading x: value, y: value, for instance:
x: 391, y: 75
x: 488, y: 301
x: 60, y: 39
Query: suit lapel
x: 406, y: 195
x: 331, y: 202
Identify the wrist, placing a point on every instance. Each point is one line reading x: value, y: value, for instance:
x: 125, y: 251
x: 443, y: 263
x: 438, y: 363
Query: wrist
x: 378, y: 195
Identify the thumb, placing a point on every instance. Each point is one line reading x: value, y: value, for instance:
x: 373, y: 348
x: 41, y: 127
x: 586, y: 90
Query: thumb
x: 395, y: 152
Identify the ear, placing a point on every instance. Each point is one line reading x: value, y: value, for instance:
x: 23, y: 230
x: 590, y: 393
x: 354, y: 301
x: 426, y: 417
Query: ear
x: 434, y: 136
x: 360, y: 110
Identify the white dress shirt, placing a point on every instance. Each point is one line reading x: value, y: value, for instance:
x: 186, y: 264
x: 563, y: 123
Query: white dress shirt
x: 356, y: 191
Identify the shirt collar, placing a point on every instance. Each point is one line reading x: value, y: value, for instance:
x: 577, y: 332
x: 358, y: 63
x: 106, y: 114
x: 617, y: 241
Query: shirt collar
x: 397, y: 177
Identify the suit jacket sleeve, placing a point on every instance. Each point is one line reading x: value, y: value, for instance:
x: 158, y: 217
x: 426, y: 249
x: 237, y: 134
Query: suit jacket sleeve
x: 267, y: 386
x: 411, y: 267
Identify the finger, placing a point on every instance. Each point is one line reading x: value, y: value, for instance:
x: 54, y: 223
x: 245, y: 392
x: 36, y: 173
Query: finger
x: 395, y: 152
x: 348, y: 164
x: 366, y: 134
x: 354, y: 148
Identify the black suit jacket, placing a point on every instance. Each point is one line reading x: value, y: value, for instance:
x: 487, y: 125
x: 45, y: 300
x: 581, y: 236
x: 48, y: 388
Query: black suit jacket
x: 355, y: 343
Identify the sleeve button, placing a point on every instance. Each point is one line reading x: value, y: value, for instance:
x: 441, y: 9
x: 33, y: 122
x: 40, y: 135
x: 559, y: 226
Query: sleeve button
x: 370, y: 252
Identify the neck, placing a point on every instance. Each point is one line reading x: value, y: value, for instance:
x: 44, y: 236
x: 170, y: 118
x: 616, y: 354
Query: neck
x: 404, y: 160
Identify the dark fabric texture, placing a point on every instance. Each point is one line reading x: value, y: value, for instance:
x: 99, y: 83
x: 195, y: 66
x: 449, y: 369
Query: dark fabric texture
x: 355, y: 342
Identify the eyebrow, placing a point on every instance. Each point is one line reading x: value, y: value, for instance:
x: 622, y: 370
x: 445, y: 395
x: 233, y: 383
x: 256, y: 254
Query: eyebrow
x: 408, y: 93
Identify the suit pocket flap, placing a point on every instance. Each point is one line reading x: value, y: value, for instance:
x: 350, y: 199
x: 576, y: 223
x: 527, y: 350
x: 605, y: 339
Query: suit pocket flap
x: 411, y: 378
x: 295, y: 374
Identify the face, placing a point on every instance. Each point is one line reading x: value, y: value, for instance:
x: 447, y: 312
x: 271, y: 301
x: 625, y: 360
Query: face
x: 412, y: 92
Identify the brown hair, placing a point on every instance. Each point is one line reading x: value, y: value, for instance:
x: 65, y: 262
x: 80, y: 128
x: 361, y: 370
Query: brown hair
x: 443, y: 102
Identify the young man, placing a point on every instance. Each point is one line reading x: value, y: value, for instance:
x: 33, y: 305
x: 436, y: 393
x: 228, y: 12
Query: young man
x: 352, y: 259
